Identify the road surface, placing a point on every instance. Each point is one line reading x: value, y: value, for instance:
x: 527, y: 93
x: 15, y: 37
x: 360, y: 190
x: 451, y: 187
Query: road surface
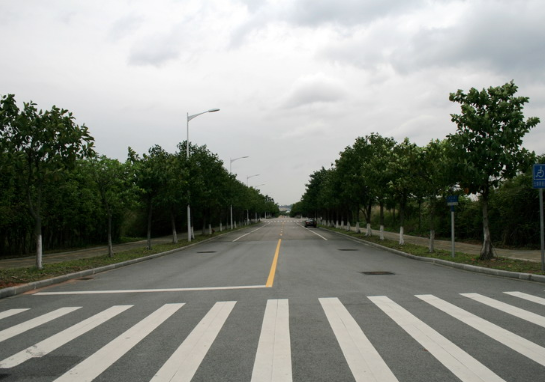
x: 277, y: 302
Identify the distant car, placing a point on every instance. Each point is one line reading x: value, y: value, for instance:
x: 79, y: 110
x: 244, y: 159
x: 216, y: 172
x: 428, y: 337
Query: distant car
x: 310, y: 223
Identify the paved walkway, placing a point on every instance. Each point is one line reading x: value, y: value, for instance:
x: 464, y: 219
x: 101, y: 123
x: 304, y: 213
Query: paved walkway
x: 30, y: 261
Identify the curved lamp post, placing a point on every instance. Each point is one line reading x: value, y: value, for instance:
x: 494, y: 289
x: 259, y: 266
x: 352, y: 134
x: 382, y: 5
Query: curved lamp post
x: 230, y: 163
x: 189, y: 118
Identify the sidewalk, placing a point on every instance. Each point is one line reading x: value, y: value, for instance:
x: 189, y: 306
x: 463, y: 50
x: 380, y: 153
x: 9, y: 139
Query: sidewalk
x: 472, y: 249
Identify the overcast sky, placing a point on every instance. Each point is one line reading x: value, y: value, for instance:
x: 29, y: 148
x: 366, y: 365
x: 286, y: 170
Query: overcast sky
x: 297, y: 81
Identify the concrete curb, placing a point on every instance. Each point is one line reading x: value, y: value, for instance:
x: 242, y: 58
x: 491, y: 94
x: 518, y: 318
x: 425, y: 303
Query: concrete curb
x: 19, y: 289
x: 465, y: 267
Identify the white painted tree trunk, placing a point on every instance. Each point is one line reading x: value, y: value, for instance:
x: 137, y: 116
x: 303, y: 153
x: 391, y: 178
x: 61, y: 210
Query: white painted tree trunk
x: 401, y: 239
x: 39, y: 251
x: 358, y: 230
x: 369, y: 230
x: 432, y: 239
x: 381, y: 232
x: 348, y: 226
x: 221, y: 227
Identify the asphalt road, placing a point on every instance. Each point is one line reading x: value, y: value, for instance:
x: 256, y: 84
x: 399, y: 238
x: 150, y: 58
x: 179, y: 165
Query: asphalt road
x: 277, y: 302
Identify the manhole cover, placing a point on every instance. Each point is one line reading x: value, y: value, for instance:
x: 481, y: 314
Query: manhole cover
x: 377, y: 273
x: 207, y: 252
x: 347, y: 249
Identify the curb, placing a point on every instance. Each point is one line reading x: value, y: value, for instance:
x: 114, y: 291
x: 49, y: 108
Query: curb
x: 16, y: 290
x: 465, y: 267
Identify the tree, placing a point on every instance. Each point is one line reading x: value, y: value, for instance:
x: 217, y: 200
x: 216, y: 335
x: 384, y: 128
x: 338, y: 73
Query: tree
x: 487, y: 143
x: 403, y: 168
x: 377, y: 173
x: 434, y: 178
x: 42, y: 145
x: 113, y: 183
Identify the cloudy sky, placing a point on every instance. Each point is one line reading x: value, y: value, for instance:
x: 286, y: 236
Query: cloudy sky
x: 297, y: 81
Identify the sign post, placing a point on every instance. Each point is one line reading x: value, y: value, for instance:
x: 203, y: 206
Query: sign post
x: 452, y: 200
x: 538, y: 182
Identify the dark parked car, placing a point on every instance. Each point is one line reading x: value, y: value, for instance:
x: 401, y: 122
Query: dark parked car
x: 310, y: 223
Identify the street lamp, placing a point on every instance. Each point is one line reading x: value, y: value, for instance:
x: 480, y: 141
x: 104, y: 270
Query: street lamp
x: 230, y: 163
x: 189, y: 118
x: 248, y: 210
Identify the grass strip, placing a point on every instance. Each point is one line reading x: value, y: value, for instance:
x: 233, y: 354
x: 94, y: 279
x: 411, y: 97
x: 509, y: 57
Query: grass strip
x: 502, y: 263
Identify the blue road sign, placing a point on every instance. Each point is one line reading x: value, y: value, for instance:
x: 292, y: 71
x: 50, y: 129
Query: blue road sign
x: 539, y: 176
x: 452, y: 200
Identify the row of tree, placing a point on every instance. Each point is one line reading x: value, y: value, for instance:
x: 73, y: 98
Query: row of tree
x: 56, y: 191
x: 483, y: 157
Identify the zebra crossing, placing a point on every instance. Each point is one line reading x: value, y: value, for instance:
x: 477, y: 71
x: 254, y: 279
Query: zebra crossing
x: 273, y: 357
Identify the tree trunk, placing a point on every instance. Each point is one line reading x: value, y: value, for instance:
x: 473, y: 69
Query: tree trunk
x: 486, y: 251
x: 110, y: 246
x: 173, y: 224
x: 402, y: 219
x: 381, y: 220
x: 368, y: 219
x: 38, y: 233
x: 150, y: 211
x: 432, y: 226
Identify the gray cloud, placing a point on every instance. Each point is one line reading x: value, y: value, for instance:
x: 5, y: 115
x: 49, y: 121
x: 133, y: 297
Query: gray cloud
x: 314, y: 89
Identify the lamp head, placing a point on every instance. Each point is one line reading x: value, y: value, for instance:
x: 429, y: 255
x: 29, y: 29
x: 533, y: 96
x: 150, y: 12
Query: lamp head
x: 213, y: 110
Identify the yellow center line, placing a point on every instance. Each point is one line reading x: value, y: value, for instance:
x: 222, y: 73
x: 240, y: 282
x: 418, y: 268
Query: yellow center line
x: 270, y: 280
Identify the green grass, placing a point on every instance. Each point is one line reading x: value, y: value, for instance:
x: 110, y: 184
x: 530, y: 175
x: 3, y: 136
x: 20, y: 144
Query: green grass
x: 460, y: 257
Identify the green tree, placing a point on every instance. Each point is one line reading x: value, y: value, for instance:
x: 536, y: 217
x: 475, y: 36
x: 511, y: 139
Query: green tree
x: 403, y: 168
x: 434, y: 178
x: 42, y: 145
x: 115, y: 185
x: 487, y: 143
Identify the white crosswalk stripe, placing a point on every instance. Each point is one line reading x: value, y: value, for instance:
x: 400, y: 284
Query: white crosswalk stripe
x: 515, y: 342
x: 59, y: 339
x: 184, y: 362
x: 274, y: 358
x: 510, y: 309
x: 464, y: 366
x: 97, y: 363
x: 11, y: 312
x: 364, y: 361
x: 528, y: 297
x: 35, y: 322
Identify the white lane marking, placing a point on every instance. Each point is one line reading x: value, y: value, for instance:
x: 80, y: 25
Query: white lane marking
x: 31, y: 324
x: 54, y: 342
x: 273, y: 358
x: 48, y: 345
x: 362, y: 357
x: 97, y: 363
x: 505, y: 337
x: 528, y: 297
x: 246, y: 234
x: 184, y: 362
x: 149, y: 290
x: 11, y: 312
x: 461, y: 364
x: 316, y: 234
x: 509, y: 309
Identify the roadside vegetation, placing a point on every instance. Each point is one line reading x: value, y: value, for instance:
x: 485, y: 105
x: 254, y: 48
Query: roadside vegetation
x: 57, y: 192
x: 501, y: 263
x: 379, y: 182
